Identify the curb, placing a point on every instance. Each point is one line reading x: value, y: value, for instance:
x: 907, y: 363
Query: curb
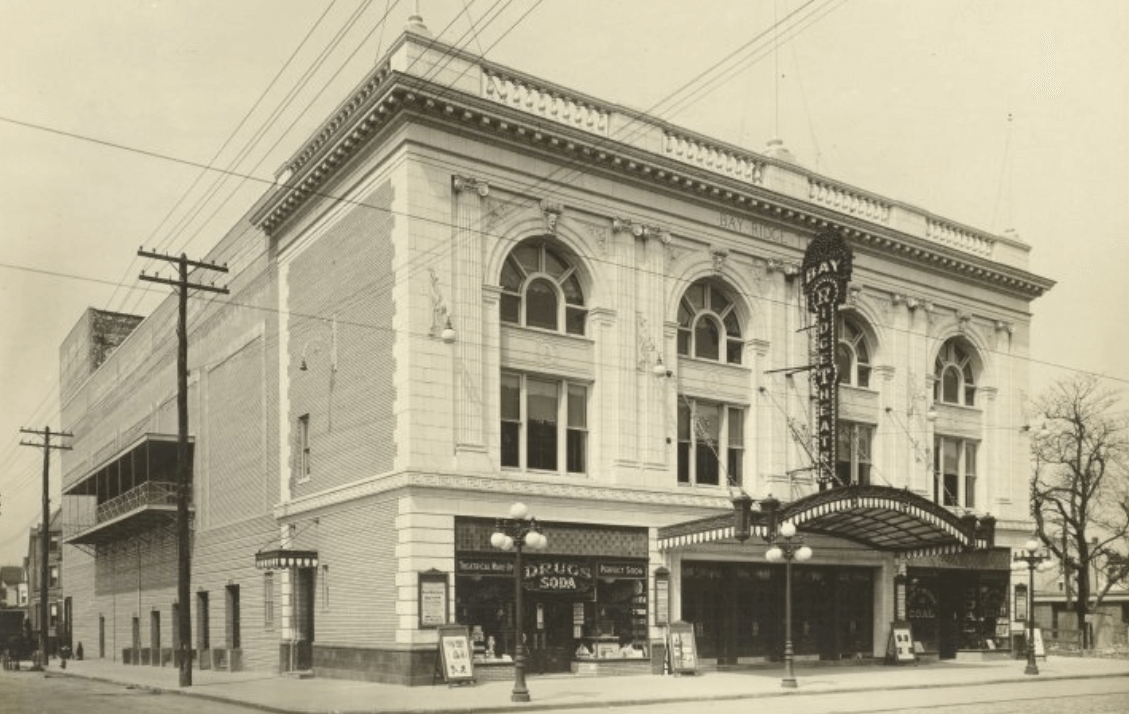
x: 550, y: 706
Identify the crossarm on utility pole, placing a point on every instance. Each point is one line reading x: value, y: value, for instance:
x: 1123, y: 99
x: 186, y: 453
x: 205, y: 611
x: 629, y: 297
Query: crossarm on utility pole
x: 44, y: 529
x: 183, y: 473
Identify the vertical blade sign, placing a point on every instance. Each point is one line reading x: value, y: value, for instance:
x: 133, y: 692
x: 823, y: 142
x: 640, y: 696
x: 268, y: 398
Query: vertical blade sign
x: 826, y: 272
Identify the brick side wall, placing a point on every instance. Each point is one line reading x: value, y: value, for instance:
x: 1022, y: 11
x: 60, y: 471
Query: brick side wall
x: 356, y: 592
x: 345, y: 274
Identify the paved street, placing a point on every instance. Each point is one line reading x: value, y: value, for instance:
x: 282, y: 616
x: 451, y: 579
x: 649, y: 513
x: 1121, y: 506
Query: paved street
x: 32, y: 693
x: 1090, y: 696
x: 993, y: 687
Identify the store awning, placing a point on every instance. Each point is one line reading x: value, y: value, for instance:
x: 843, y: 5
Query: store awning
x: 878, y: 517
x: 284, y: 559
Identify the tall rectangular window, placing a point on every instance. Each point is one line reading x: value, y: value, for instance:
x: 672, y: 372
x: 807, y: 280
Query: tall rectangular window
x: 304, y: 446
x: 853, y: 454
x: 710, y: 442
x: 577, y: 447
x: 735, y: 452
x: 544, y: 423
x: 954, y: 471
x: 970, y: 474
x: 541, y: 443
x: 511, y: 420
x: 54, y: 580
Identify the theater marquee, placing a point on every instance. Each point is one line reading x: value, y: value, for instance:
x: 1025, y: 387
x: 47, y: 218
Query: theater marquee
x: 826, y: 271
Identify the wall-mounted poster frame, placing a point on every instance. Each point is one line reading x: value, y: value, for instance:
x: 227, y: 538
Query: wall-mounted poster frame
x: 453, y: 660
x: 1020, y: 603
x: 662, y: 597
x: 434, y: 599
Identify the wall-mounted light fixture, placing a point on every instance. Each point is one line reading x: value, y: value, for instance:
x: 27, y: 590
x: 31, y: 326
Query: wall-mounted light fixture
x: 659, y: 369
x: 448, y: 335
x: 304, y: 366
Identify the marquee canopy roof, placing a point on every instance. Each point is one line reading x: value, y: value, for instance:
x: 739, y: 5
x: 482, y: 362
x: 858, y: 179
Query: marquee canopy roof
x: 879, y: 517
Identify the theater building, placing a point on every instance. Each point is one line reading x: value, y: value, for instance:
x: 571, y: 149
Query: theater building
x: 472, y: 287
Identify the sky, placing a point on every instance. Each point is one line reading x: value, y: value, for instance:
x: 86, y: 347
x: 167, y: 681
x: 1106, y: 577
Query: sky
x: 1009, y: 114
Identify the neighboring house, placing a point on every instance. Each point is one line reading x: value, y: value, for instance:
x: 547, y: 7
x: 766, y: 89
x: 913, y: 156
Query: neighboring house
x: 10, y: 578
x: 57, y: 605
x: 472, y: 287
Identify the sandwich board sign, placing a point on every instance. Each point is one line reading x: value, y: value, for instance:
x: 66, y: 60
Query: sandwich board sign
x: 899, y: 648
x: 453, y: 660
x: 682, y: 648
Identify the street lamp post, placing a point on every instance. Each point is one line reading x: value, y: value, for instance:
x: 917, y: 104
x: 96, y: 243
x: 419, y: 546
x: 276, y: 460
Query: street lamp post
x: 518, y: 531
x: 1034, y: 559
x: 787, y: 546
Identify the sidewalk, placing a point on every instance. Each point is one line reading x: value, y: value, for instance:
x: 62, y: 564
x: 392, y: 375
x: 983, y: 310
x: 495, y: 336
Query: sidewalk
x: 275, y: 693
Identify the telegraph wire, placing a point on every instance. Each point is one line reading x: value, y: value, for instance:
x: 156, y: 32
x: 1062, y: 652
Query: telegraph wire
x: 227, y: 141
x: 310, y: 103
x: 264, y: 126
x: 587, y: 257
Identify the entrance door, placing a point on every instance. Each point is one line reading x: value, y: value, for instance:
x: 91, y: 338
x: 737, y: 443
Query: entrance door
x: 549, y: 634
x: 304, y: 618
x: 948, y: 629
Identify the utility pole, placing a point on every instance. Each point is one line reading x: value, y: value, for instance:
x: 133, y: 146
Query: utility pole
x: 183, y: 473
x: 44, y: 530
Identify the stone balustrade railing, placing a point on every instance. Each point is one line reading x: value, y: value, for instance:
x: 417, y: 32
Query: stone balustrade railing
x: 846, y: 200
x: 960, y: 238
x: 548, y: 103
x: 718, y: 159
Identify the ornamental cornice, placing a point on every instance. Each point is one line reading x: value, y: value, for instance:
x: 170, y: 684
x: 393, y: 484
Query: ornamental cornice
x: 371, y: 108
x: 517, y: 485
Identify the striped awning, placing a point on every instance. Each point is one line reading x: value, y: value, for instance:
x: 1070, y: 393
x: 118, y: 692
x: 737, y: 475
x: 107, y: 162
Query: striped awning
x: 879, y: 517
x: 284, y: 559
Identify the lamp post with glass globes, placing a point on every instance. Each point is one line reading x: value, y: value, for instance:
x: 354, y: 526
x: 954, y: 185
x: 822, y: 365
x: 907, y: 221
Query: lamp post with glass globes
x: 1032, y: 556
x: 518, y: 531
x: 786, y: 547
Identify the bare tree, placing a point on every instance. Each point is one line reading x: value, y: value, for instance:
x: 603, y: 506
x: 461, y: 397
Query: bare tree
x: 1080, y: 489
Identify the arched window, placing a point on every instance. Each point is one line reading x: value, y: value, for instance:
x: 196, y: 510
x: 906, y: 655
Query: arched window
x: 708, y: 327
x: 540, y: 289
x: 852, y: 354
x: 954, y: 375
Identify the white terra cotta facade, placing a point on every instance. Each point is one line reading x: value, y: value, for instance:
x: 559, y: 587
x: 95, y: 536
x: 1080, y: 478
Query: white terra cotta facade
x: 472, y: 287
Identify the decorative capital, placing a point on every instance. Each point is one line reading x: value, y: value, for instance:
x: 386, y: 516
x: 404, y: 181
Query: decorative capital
x: 775, y: 265
x: 463, y: 183
x: 639, y: 230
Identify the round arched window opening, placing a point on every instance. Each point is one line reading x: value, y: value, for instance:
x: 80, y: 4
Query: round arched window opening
x: 541, y: 289
x: 852, y: 354
x: 954, y: 373
x: 708, y: 327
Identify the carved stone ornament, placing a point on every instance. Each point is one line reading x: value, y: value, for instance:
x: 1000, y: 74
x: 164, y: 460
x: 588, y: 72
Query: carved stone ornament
x: 853, y: 294
x: 462, y: 183
x: 963, y: 321
x: 718, y: 256
x: 440, y: 312
x: 1004, y: 326
x: 551, y: 210
x: 647, y: 349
